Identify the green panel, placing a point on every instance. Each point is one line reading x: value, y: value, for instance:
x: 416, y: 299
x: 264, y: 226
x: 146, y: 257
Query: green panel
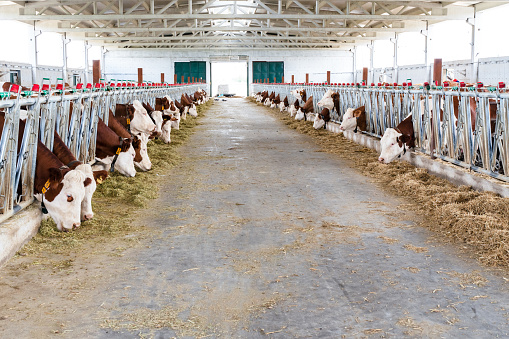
x: 196, y: 69
x: 268, y: 69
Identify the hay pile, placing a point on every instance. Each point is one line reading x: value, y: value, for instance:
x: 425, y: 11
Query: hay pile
x: 480, y: 219
x: 117, y: 200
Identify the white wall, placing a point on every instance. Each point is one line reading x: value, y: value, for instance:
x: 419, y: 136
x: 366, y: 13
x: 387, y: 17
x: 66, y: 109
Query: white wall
x: 123, y: 64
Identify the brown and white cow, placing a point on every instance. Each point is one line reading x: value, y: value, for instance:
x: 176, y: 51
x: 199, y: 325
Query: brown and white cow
x: 321, y: 119
x: 304, y: 111
x: 140, y: 122
x: 354, y: 120
x: 141, y: 158
x: 65, y: 155
x: 283, y: 105
x: 113, y: 150
x: 165, y: 122
x: 396, y: 140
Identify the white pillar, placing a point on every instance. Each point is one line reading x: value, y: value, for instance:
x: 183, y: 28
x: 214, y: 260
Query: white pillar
x: 65, y: 42
x: 33, y: 56
x: 354, y: 55
x: 395, y: 62
x: 87, y: 47
x: 103, y: 64
x: 371, y: 73
x: 473, y: 52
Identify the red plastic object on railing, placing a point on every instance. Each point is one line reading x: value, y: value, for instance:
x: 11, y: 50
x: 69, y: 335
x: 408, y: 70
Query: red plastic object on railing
x: 426, y: 83
x: 462, y: 84
x: 59, y: 87
x: 395, y: 84
x: 45, y: 87
x: 79, y: 86
x: 97, y: 85
x: 446, y: 84
x: 89, y: 86
x: 480, y: 85
x: 404, y: 84
x: 379, y: 84
x: 14, y: 88
x: 35, y: 88
x: 501, y: 84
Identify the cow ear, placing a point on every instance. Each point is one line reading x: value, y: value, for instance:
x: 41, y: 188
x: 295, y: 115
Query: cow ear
x: 87, y: 182
x: 100, y: 176
x: 357, y: 113
x: 126, y: 143
x: 403, y: 139
x: 55, y: 175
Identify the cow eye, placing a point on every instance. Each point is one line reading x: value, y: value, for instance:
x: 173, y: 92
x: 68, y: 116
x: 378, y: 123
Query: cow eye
x: 69, y: 198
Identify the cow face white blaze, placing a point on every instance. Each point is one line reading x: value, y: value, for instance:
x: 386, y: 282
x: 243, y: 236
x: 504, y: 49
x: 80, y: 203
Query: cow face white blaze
x: 282, y: 106
x: 125, y: 162
x: 296, y: 93
x: 326, y: 101
x: 145, y: 164
x: 86, y: 203
x: 390, y: 146
x: 299, y: 115
x: 175, y: 121
x: 158, y: 118
x: 166, y: 131
x: 318, y: 122
x: 65, y: 209
x: 349, y: 121
x: 293, y: 110
x: 141, y: 122
x: 192, y: 111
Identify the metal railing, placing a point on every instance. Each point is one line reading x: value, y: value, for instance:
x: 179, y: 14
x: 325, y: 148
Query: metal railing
x: 467, y: 126
x: 48, y: 111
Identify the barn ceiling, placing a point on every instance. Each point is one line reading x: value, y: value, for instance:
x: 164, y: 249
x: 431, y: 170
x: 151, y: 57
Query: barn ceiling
x: 246, y: 24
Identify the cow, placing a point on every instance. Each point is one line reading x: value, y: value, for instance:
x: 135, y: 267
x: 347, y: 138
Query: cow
x: 275, y: 102
x: 65, y: 155
x: 396, y: 140
x: 113, y: 151
x: 166, y: 122
x: 191, y: 108
x: 283, y: 105
x: 327, y: 100
x: 182, y: 109
x: 137, y: 117
x: 354, y: 120
x: 141, y: 158
x: 302, y: 112
x: 294, y: 107
x: 322, y: 119
x: 300, y: 94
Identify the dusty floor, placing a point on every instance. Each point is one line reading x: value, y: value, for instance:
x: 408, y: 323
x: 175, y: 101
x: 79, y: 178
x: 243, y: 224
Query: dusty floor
x: 257, y: 234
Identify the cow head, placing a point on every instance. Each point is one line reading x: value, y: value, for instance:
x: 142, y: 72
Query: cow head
x: 318, y: 122
x: 175, y: 120
x: 90, y: 187
x: 192, y: 110
x: 65, y: 206
x: 145, y: 164
x: 166, y: 129
x: 282, y: 106
x: 392, y: 145
x: 327, y: 101
x: 349, y: 121
x: 297, y: 93
x: 125, y: 161
x: 300, y: 114
x: 141, y: 123
x: 157, y: 116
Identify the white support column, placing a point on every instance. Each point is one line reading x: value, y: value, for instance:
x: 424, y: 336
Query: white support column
x: 354, y: 55
x: 65, y: 42
x: 103, y: 62
x: 371, y: 73
x: 395, y: 63
x: 33, y: 56
x: 426, y: 63
x: 87, y: 47
x: 473, y: 52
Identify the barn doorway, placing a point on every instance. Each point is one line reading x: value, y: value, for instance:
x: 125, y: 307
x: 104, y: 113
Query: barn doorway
x: 229, y: 78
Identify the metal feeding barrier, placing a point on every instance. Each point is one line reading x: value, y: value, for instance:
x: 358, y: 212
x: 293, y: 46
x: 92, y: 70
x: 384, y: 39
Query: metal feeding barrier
x: 73, y: 114
x: 464, y: 125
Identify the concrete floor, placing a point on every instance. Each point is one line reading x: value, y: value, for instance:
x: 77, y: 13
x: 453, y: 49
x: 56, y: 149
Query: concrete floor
x: 261, y: 235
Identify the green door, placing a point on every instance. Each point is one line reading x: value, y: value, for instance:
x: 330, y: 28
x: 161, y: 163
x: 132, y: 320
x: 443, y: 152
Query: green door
x: 196, y: 69
x: 263, y: 70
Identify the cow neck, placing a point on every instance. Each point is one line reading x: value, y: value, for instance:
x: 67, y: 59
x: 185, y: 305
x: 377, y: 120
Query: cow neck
x: 115, y: 157
x: 63, y: 153
x: 46, y: 160
x: 125, y: 116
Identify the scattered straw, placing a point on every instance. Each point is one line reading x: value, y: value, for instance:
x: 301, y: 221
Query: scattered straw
x: 461, y: 214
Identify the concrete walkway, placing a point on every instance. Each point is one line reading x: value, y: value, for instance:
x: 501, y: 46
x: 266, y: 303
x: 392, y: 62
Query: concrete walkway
x: 260, y: 235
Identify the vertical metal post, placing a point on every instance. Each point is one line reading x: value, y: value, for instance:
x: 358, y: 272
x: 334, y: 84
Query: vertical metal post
x: 65, y: 42
x: 34, y: 58
x: 425, y: 33
x: 371, y: 56
x: 395, y: 63
x: 354, y: 55
x: 87, y: 47
x: 473, y: 54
